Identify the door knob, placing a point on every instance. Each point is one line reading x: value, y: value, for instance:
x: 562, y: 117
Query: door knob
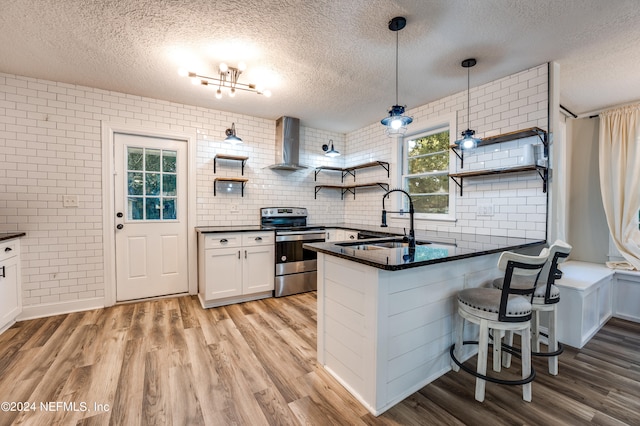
x: 119, y: 226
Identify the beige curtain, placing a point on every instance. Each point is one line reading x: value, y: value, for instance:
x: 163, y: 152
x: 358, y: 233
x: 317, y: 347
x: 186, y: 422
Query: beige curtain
x: 620, y: 177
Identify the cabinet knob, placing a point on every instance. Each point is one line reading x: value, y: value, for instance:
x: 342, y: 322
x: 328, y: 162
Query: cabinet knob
x: 351, y: 237
x: 7, y: 249
x: 258, y: 238
x: 224, y: 241
x: 119, y: 226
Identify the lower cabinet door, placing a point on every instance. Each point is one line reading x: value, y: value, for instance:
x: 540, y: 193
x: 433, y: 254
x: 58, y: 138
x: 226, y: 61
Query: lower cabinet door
x: 223, y: 271
x: 258, y: 269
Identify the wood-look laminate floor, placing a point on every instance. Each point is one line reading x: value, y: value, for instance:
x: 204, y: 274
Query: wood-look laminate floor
x: 169, y: 362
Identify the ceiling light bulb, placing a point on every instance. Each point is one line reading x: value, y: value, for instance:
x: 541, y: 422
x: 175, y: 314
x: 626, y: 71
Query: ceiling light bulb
x: 396, y: 124
x: 183, y: 72
x: 195, y: 81
x: 267, y: 93
x: 224, y: 67
x: 218, y: 94
x: 232, y: 92
x: 242, y: 66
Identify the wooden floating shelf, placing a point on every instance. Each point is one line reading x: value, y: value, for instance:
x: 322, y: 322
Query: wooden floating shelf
x: 352, y: 170
x: 511, y: 136
x: 352, y: 188
x: 542, y: 171
x: 231, y: 158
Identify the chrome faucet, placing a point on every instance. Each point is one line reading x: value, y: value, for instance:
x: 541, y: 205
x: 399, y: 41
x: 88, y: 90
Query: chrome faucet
x: 412, y: 235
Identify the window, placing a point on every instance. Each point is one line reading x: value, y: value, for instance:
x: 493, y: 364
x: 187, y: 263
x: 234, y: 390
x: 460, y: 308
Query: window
x: 151, y: 184
x: 425, y: 175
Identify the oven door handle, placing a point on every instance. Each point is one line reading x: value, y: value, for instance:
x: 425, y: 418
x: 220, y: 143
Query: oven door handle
x: 299, y: 237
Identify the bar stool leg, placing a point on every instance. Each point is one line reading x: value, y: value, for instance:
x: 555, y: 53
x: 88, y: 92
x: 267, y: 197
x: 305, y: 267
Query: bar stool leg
x: 506, y: 356
x: 459, y: 333
x: 497, y: 350
x: 535, y: 330
x: 553, y: 342
x: 483, y: 348
x: 526, y: 362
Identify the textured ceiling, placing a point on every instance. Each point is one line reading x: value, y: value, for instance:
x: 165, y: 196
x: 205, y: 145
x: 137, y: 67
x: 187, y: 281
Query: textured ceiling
x: 330, y: 63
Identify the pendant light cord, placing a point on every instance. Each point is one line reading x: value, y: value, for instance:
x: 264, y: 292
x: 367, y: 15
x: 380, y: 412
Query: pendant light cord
x: 468, y: 98
x: 397, y: 35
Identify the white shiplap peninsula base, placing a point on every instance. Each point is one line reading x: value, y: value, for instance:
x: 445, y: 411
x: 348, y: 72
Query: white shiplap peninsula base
x: 384, y: 334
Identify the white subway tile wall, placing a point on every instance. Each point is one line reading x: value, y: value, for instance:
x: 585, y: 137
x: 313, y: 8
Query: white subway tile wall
x: 517, y: 204
x: 50, y: 146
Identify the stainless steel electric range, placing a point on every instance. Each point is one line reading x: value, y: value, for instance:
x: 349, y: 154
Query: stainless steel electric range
x: 295, y: 267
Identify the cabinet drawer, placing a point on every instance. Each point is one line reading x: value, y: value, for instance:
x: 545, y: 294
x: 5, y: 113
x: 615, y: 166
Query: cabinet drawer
x: 258, y: 239
x: 9, y: 249
x: 222, y: 240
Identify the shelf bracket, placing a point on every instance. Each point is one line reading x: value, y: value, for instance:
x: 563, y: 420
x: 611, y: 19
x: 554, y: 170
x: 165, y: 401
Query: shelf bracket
x: 318, y: 188
x: 348, y: 172
x: 385, y: 166
x: 460, y: 156
x: 544, y: 175
x: 457, y: 183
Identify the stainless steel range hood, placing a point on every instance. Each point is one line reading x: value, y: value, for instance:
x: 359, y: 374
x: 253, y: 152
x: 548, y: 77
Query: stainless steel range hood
x: 287, y: 144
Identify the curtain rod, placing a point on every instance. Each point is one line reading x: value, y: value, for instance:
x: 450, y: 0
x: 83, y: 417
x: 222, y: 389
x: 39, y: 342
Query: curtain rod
x: 572, y: 114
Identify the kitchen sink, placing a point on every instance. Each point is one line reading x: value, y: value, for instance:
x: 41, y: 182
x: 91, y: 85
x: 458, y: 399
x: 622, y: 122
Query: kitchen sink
x: 379, y: 245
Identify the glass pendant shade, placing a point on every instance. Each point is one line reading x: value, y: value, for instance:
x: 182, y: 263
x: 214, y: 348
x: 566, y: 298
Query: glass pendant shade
x: 396, y: 122
x: 467, y: 141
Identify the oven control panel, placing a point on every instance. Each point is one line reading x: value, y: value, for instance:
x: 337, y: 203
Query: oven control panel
x: 283, y: 212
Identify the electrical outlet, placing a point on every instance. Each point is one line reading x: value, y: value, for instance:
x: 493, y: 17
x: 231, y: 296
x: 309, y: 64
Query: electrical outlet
x: 70, y: 201
x: 234, y: 208
x: 485, y: 210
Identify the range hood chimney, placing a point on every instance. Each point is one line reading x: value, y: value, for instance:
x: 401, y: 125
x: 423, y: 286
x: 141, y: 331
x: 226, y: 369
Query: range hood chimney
x: 287, y: 144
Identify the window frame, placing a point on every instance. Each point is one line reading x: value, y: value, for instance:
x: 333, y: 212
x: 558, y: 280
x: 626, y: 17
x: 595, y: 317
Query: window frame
x: 426, y: 128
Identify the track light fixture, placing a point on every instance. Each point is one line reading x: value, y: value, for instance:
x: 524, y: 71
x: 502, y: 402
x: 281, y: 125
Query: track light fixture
x: 227, y: 79
x: 467, y: 141
x: 396, y: 122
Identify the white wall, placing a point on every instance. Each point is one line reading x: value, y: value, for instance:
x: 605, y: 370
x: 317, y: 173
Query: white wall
x: 513, y: 103
x: 50, y: 146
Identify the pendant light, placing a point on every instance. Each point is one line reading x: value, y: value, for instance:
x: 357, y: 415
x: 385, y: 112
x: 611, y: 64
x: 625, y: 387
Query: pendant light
x: 467, y: 141
x: 396, y: 122
x: 231, y: 135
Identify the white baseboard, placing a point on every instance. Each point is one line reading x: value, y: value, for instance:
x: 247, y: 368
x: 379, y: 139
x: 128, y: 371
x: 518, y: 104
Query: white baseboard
x: 58, y: 308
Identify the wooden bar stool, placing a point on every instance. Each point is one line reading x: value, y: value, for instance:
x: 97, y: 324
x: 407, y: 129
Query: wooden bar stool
x: 501, y: 310
x: 545, y: 299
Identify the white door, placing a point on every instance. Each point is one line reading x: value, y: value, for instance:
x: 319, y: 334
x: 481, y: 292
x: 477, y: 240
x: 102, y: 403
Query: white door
x: 150, y: 190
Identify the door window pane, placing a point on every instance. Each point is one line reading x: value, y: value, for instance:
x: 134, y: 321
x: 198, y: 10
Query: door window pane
x: 152, y: 160
x: 134, y: 158
x: 169, y: 161
x: 135, y: 208
x: 169, y: 209
x: 169, y: 185
x: 134, y: 183
x: 152, y: 184
x: 152, y: 208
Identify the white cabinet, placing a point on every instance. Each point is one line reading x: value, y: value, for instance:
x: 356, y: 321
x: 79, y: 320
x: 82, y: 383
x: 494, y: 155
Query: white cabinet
x: 10, y: 298
x: 335, y: 234
x: 585, y: 301
x: 235, y: 267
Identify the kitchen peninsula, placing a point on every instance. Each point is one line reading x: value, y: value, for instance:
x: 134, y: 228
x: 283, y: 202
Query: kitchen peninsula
x: 385, y: 310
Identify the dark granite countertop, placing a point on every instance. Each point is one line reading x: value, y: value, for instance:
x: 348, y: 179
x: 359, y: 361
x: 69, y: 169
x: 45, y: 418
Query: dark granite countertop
x: 11, y: 235
x: 439, y: 248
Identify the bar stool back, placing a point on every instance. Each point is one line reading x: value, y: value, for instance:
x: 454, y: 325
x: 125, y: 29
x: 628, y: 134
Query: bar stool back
x: 506, y: 309
x: 545, y: 299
